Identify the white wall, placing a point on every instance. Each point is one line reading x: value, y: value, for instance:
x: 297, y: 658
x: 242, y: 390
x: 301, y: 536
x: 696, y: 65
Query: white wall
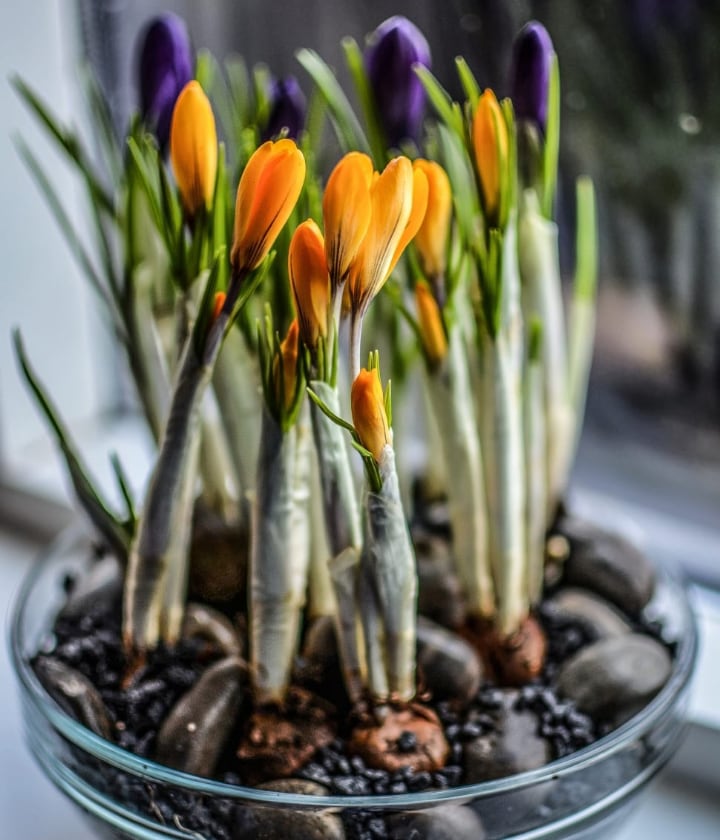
x: 40, y: 288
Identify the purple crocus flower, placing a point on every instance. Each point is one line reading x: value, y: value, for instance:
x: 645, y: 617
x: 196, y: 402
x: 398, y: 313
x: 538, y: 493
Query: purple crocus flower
x: 287, y: 109
x: 530, y: 74
x: 166, y: 66
x: 392, y: 51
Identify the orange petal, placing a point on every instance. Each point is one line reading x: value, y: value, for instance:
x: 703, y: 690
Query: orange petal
x: 368, y: 412
x: 346, y: 212
x: 432, y: 332
x: 289, y: 348
x: 417, y: 214
x: 431, y: 239
x: 268, y: 191
x: 310, y: 282
x: 490, y: 142
x: 392, y: 200
x: 194, y: 148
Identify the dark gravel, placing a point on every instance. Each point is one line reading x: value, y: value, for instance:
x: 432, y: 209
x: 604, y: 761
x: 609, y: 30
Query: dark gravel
x: 91, y: 644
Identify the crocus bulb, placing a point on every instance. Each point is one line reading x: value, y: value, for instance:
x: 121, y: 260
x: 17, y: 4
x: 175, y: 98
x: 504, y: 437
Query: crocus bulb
x: 432, y: 332
x: 393, y: 50
x: 194, y: 148
x: 490, y: 142
x: 287, y: 109
x: 367, y: 405
x: 432, y: 237
x: 530, y: 74
x: 310, y: 282
x: 346, y: 213
x: 165, y: 67
x: 267, y: 193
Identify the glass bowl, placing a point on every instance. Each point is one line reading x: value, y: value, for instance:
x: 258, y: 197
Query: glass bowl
x: 584, y: 795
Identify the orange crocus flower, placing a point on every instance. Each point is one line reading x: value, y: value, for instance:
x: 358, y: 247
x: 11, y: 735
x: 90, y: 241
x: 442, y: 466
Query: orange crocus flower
x: 346, y: 213
x: 310, y: 282
x: 368, y: 412
x: 267, y: 193
x: 490, y: 143
x: 392, y: 203
x: 288, y: 358
x: 194, y: 148
x: 431, y: 240
x: 432, y: 332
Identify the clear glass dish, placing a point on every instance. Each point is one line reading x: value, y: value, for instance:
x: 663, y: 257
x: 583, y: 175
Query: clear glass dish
x: 584, y: 795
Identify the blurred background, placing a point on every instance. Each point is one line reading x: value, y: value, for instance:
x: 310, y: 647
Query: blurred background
x: 640, y: 114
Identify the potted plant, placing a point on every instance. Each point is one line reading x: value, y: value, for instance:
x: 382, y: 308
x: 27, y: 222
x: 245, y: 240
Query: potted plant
x: 243, y: 655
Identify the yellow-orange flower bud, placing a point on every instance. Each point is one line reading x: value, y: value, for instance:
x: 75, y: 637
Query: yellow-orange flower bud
x: 268, y: 190
x: 490, y: 142
x: 194, y: 148
x: 368, y: 412
x: 431, y: 239
x: 310, y: 282
x: 346, y: 212
x: 288, y: 358
x: 218, y: 303
x: 432, y: 332
x: 392, y: 203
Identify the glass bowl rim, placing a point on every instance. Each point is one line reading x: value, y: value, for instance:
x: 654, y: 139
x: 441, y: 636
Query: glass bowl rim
x: 109, y: 753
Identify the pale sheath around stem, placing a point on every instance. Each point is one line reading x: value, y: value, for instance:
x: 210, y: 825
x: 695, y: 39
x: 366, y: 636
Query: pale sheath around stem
x: 342, y: 518
x: 542, y: 292
x: 451, y: 399
x: 279, y: 555
x: 158, y: 562
x: 236, y: 382
x: 503, y: 444
x: 388, y: 591
x: 535, y: 459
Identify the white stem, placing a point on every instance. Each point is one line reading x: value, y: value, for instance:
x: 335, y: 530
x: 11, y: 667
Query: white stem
x: 356, y: 322
x: 535, y: 469
x: 321, y: 595
x: 219, y: 489
x: 452, y: 404
x: 342, y: 521
x: 389, y: 589
x: 236, y: 382
x: 540, y: 272
x: 279, y: 556
x: 503, y: 446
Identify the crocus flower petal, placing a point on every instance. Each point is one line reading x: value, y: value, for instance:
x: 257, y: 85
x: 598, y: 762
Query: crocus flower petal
x: 368, y: 412
x: 310, y: 282
x: 165, y: 66
x: 432, y: 332
x: 268, y: 191
x: 432, y: 237
x: 289, y: 348
x: 490, y: 142
x: 392, y: 201
x: 287, y: 109
x: 530, y: 74
x: 194, y: 148
x: 394, y: 48
x: 417, y: 214
x: 346, y: 213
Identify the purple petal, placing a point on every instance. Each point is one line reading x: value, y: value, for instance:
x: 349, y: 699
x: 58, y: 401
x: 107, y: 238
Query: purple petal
x: 393, y: 50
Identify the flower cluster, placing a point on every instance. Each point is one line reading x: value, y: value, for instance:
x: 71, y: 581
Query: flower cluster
x: 242, y: 280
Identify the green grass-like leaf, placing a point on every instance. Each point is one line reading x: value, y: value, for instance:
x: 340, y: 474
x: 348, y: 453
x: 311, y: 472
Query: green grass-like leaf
x: 118, y: 534
x: 347, y: 127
